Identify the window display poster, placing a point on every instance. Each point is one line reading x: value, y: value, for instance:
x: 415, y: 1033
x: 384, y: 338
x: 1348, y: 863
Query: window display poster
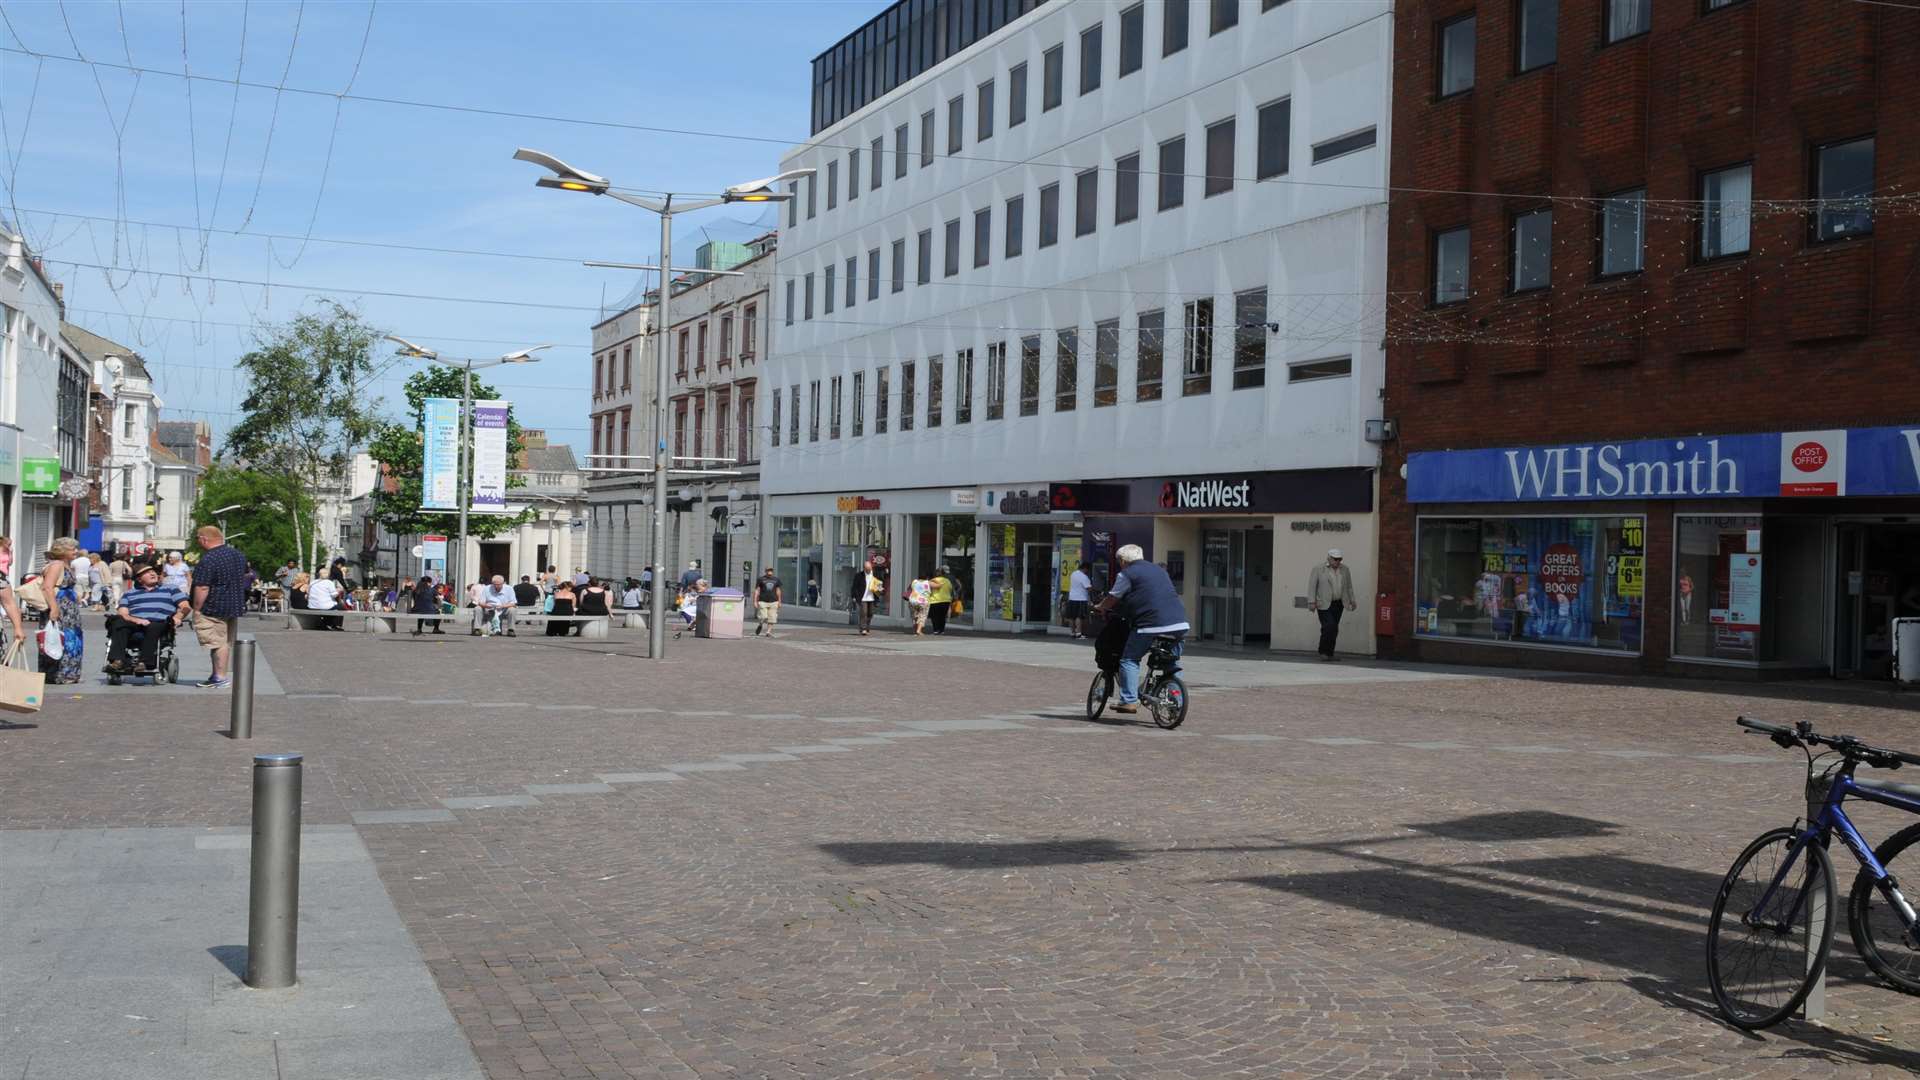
x: 1069, y: 559
x: 1743, y: 593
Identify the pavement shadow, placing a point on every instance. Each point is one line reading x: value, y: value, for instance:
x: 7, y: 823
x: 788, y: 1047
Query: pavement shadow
x: 231, y: 957
x: 980, y: 856
x: 1517, y: 825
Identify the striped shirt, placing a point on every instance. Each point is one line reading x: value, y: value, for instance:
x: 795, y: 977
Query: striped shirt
x: 154, y: 604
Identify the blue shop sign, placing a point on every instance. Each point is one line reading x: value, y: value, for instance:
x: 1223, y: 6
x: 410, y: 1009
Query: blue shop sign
x: 1791, y: 464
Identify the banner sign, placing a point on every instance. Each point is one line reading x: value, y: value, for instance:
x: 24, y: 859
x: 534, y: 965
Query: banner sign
x: 433, y: 548
x: 490, y: 456
x: 39, y: 476
x: 1790, y: 464
x: 440, y: 454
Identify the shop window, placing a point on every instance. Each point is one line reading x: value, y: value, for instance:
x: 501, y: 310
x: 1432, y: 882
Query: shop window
x: 1628, y: 19
x: 1843, y: 190
x: 1456, y: 56
x: 1106, y: 363
x: 1532, y: 254
x: 996, y: 380
x: 1726, y: 218
x: 1538, y: 42
x: 1066, y: 370
x: 906, y: 395
x: 1717, y: 564
x: 1450, y: 266
x: 1149, y: 355
x: 798, y: 558
x: 1575, y: 582
x: 1623, y: 232
x: 861, y: 537
x: 1126, y: 189
x: 1174, y: 27
x: 1030, y: 375
x: 936, y: 377
x: 963, y: 386
x: 1250, y: 339
x: 1197, y: 347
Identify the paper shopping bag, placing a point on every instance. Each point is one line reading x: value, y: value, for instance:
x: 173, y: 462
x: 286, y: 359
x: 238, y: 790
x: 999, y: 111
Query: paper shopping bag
x: 20, y: 691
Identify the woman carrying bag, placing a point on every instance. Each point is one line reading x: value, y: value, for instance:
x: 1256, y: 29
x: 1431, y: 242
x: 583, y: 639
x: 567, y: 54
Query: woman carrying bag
x: 61, y: 641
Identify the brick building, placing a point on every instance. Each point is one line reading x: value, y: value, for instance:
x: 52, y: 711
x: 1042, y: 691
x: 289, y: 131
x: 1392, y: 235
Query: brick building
x: 1651, y: 335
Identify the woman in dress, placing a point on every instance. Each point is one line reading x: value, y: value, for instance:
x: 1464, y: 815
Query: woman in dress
x: 297, y: 591
x: 562, y: 605
x: 592, y: 600
x: 63, y: 611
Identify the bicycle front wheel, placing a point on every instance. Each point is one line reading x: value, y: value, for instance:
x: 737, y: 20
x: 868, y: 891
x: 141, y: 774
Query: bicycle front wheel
x: 1169, y: 703
x: 1098, y: 693
x: 1879, y: 933
x: 1771, y: 928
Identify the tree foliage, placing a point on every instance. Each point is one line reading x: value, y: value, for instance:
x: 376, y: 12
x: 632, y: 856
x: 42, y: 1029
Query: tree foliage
x: 399, y: 449
x: 265, y: 531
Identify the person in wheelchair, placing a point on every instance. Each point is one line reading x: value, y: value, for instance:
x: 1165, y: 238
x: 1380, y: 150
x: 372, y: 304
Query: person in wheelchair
x: 149, y: 614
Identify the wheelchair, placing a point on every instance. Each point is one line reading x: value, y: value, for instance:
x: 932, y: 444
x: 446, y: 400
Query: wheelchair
x: 166, y: 662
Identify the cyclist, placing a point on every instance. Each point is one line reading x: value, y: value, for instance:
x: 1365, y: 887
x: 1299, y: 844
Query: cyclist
x: 1146, y: 598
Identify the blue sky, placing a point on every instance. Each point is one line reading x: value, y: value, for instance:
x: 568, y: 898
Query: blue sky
x: 397, y: 174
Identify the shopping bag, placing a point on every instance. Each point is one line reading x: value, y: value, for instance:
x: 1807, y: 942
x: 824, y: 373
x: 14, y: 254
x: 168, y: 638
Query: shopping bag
x: 958, y: 607
x: 53, y: 642
x: 20, y: 691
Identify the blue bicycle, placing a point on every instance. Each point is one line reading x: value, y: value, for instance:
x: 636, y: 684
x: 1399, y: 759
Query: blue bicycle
x: 1772, y: 923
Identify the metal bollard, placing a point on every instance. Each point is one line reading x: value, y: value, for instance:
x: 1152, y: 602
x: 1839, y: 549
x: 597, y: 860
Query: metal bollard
x: 240, y: 723
x: 273, y: 902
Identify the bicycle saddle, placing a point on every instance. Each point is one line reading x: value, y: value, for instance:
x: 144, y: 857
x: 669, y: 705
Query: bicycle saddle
x: 1891, y: 787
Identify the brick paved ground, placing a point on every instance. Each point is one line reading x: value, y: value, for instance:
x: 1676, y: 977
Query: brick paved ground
x: 812, y: 858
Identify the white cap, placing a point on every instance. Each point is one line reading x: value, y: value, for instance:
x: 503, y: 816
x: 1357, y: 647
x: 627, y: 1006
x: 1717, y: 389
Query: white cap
x: 1334, y: 553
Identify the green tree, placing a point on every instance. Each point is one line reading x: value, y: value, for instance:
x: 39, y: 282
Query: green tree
x: 307, y: 407
x: 399, y: 448
x: 265, y: 528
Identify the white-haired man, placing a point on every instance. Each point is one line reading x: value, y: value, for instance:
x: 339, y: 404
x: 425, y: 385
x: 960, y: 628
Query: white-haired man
x: 495, y: 607
x: 1148, y: 601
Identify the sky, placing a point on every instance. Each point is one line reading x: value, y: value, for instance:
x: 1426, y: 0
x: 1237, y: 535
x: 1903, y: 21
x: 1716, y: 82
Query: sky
x: 138, y: 188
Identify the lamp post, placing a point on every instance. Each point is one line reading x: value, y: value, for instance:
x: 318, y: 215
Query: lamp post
x: 466, y: 366
x: 567, y: 178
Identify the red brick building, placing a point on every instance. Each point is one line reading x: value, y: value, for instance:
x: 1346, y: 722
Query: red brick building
x: 1652, y: 326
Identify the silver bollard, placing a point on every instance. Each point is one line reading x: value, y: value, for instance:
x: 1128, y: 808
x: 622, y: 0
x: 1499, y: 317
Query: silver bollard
x: 240, y: 665
x: 273, y: 903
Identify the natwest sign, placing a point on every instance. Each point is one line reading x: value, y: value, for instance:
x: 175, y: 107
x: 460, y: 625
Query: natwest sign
x: 1214, y: 494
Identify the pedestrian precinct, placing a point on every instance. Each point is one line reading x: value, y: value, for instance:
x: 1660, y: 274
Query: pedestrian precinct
x: 175, y: 572
x: 562, y: 607
x: 426, y: 601
x: 148, y: 613
x: 1329, y: 594
x: 324, y: 594
x: 870, y: 588
x: 496, y: 605
x: 1079, y: 592
x: 62, y: 617
x: 941, y: 600
x: 766, y: 603
x: 219, y: 598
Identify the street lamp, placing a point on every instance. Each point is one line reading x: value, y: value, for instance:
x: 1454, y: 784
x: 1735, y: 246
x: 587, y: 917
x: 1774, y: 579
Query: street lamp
x: 220, y: 515
x: 466, y: 366
x: 567, y: 178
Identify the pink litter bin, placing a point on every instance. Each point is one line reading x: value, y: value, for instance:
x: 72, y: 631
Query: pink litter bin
x: 720, y: 613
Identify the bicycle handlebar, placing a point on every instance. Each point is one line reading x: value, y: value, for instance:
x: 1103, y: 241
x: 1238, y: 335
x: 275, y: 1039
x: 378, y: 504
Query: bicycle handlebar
x: 1802, y: 734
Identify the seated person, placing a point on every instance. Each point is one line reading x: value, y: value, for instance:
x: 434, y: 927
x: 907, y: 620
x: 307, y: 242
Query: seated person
x: 690, y: 600
x: 495, y: 606
x: 143, y: 614
x: 324, y: 594
x: 562, y: 607
x: 632, y: 599
x: 527, y: 594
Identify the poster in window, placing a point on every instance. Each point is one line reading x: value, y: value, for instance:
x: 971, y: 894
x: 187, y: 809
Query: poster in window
x: 1743, y: 594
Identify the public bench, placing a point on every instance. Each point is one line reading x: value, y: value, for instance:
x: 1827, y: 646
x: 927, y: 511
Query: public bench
x: 591, y: 626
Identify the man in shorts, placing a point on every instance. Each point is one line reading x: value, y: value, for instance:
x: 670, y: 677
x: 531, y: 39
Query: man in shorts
x: 766, y: 603
x: 219, y: 599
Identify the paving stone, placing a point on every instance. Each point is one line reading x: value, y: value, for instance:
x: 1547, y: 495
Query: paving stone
x: 746, y: 758
x: 863, y: 740
x: 1251, y: 738
x: 970, y: 724
x: 1341, y: 740
x: 815, y: 749
x: 1437, y: 744
x: 638, y: 777
x: 568, y: 789
x: 401, y: 817
x: 488, y: 802
x: 703, y: 766
x: 1531, y: 749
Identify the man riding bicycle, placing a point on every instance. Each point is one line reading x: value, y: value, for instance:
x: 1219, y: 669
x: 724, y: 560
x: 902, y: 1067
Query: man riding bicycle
x: 1147, y: 600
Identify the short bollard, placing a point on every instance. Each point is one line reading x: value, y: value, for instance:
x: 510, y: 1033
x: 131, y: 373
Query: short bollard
x: 273, y: 903
x: 240, y: 722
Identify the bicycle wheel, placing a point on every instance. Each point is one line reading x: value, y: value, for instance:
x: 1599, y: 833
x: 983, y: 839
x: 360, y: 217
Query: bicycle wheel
x: 1757, y: 960
x: 1098, y: 693
x: 1169, y: 704
x: 1878, y: 933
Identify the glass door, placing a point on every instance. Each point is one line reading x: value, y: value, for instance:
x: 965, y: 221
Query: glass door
x: 1223, y: 571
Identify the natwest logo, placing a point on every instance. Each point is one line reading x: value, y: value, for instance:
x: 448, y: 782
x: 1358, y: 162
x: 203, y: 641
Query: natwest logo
x: 1809, y: 457
x: 850, y: 504
x: 1207, y: 495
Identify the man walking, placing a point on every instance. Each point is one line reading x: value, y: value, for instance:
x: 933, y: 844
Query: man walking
x: 872, y: 589
x: 219, y: 597
x: 426, y: 601
x: 496, y: 606
x: 1079, y: 591
x: 766, y: 603
x: 1329, y: 594
x: 120, y: 580
x: 142, y: 613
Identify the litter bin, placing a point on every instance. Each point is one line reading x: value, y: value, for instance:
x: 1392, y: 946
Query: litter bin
x: 719, y: 613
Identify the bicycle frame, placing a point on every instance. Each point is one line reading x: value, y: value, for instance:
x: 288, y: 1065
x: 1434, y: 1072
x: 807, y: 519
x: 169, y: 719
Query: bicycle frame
x: 1831, y: 818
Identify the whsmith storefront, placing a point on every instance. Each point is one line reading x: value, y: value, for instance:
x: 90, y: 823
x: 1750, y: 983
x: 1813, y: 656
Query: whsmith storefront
x: 1775, y: 553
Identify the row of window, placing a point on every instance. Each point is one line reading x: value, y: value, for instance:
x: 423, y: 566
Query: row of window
x: 1174, y: 21
x: 1536, y: 38
x: 1841, y: 182
x: 609, y: 364
x: 732, y: 429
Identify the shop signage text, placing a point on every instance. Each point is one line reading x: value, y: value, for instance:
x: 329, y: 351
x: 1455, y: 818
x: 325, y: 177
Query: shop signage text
x: 1023, y: 502
x: 1206, y: 495
x: 1857, y: 461
x: 1323, y: 525
x: 851, y: 504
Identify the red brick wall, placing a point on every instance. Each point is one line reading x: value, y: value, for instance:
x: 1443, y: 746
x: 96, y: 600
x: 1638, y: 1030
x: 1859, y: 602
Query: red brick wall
x: 1791, y: 336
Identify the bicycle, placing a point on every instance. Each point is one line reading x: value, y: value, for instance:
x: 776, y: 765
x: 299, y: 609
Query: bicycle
x: 1161, y: 689
x: 1793, y: 912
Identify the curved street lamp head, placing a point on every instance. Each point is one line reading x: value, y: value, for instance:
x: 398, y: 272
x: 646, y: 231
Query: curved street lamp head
x: 762, y: 190
x: 565, y: 177
x: 408, y: 348
x: 524, y: 356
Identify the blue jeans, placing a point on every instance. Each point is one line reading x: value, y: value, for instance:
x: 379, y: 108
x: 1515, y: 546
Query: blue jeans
x: 1138, y: 645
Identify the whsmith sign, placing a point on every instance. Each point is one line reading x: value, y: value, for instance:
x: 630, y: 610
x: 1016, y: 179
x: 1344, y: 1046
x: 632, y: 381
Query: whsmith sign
x: 1791, y: 464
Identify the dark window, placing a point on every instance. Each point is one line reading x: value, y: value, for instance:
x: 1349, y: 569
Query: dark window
x: 899, y: 265
x: 1843, y: 186
x: 789, y: 303
x: 956, y: 121
x: 1126, y: 189
x: 853, y: 175
x: 810, y: 201
x: 1106, y: 363
x: 963, y: 386
x: 983, y: 112
x: 793, y: 414
x: 1342, y: 146
x: 982, y: 236
x: 1276, y: 133
x: 1066, y: 370
x: 900, y: 151
x: 1456, y: 56
x: 1197, y: 348
x: 906, y: 395
x: 1532, y: 253
x: 1017, y: 95
x: 793, y: 204
x: 997, y: 380
x: 1726, y: 220
x: 936, y: 373
x: 827, y: 300
x: 1219, y: 158
x: 807, y: 311
x: 926, y: 138
x: 952, y: 265
x: 1049, y: 215
x: 874, y: 170
x: 833, y: 407
x: 1450, y: 254
x: 1537, y: 39
x: 859, y: 403
x: 1623, y: 232
x: 873, y: 273
x: 1133, y: 34
x: 1174, y: 24
x: 1090, y: 59
x: 1628, y: 18
x: 833, y: 184
x: 925, y: 257
x: 1016, y: 225
x: 1052, y: 64
x: 1150, y: 353
x: 853, y: 270
x: 1250, y: 339
x: 1226, y: 13
x: 775, y: 435
x: 1086, y: 201
x: 1337, y: 367
x: 1030, y: 375
x: 1173, y: 173
x: 881, y: 400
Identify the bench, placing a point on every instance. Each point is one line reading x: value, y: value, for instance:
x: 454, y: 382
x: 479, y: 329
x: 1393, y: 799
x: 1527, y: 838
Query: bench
x: 303, y: 619
x: 390, y: 622
x: 591, y: 626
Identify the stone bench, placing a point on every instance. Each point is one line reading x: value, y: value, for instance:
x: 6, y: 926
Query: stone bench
x: 391, y: 622
x: 591, y: 626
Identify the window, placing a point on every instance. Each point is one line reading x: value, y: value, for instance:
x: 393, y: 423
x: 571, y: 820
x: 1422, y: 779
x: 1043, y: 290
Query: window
x: 963, y: 386
x: 680, y: 352
x: 1219, y: 158
x: 1106, y: 363
x: 833, y: 184
x: 1133, y: 33
x: 1225, y: 15
x: 1174, y: 22
x: 1197, y: 345
x: 859, y: 403
x: 1090, y: 59
x: 833, y: 408
x: 1843, y: 184
x: 983, y: 112
x: 793, y: 415
x: 126, y: 486
x: 1086, y: 201
x: 1716, y: 5
x: 878, y: 153
x: 626, y: 431
x: 1532, y: 252
x: 726, y: 338
x: 925, y: 260
x: 626, y: 366
x: 1051, y: 75
x: 1173, y: 173
x: 806, y: 311
x: 1030, y: 375
x: 1126, y: 189
x: 1066, y: 369
x: 880, y: 401
x: 1016, y: 225
x: 873, y: 273
x: 1537, y: 42
x: 956, y: 116
x: 774, y: 438
x: 813, y: 411
x: 1049, y: 215
x: 1450, y: 266
x: 982, y: 237
x: 1250, y: 339
x: 1539, y: 580
x: 900, y: 152
x: 811, y: 186
x: 853, y: 292
x: 1016, y: 95
x: 853, y: 174
x: 749, y: 330
x: 1708, y: 552
x: 1338, y: 367
x: 789, y: 302
x: 748, y: 450
x: 926, y: 138
x: 1726, y: 218
x: 793, y: 204
x: 827, y: 300
x: 1623, y: 232
x: 899, y: 265
x: 952, y: 265
x: 936, y: 376
x: 1275, y: 135
x: 598, y: 369
x: 700, y: 353
x: 906, y: 395
x: 1628, y: 18
x: 1150, y: 351
x: 1456, y: 56
x: 1342, y: 146
x: 997, y: 380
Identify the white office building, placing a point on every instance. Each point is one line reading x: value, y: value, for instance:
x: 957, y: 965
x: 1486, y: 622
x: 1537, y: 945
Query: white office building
x: 1069, y: 276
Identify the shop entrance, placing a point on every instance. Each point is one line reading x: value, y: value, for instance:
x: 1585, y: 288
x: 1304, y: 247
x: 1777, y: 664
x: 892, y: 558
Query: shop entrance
x: 1236, y: 586
x: 1879, y: 581
x: 1037, y: 561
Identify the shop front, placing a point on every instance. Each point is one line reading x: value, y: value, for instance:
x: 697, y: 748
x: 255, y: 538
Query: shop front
x: 818, y: 544
x: 1031, y: 552
x: 1781, y: 553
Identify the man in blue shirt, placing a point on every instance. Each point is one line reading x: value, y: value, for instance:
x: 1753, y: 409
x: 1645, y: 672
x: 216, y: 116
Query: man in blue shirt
x: 219, y: 599
x: 143, y: 614
x: 1147, y: 599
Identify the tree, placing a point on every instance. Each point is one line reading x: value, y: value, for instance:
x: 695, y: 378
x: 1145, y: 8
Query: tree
x: 265, y: 530
x: 398, y: 449
x: 306, y: 407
